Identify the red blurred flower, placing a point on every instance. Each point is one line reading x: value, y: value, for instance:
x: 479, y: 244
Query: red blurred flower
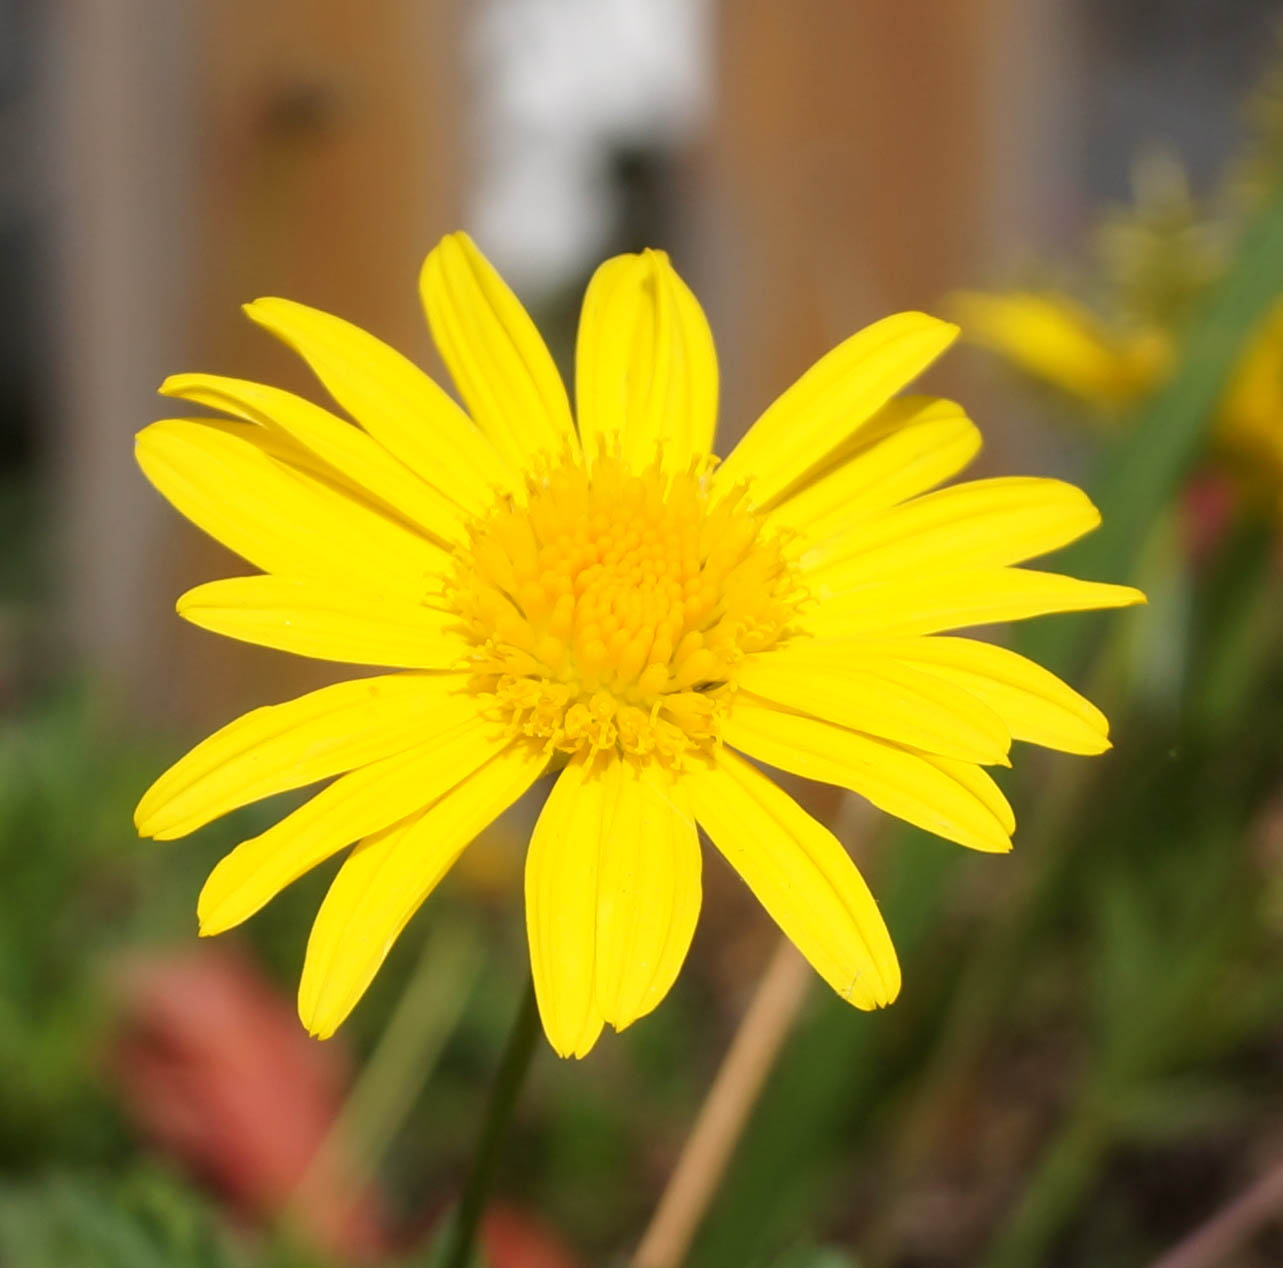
x: 213, y: 1067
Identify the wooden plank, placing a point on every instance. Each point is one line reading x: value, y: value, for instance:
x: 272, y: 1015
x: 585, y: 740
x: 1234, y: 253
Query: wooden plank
x: 119, y: 182
x: 314, y: 155
x: 865, y: 156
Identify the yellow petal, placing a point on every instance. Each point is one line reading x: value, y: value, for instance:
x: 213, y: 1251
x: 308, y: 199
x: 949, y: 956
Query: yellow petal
x: 386, y: 878
x: 325, y: 621
x: 562, y: 876
x: 612, y: 895
x: 645, y: 368
x: 882, y: 698
x: 284, y: 746
x: 1053, y: 339
x: 399, y: 405
x: 979, y: 524
x: 897, y: 780
x: 278, y: 518
x: 954, y: 600
x: 801, y: 874
x: 501, y: 366
x: 979, y: 783
x: 282, y: 447
x: 912, y: 444
x: 837, y: 395
x: 346, y: 450
x: 1032, y: 702
x: 355, y: 805
x: 648, y: 893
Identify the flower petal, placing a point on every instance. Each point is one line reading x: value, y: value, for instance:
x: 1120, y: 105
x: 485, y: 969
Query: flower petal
x: 501, y: 366
x: 979, y: 783
x: 953, y: 600
x: 645, y: 367
x: 1053, y: 339
x: 1032, y: 702
x: 979, y: 524
x: 912, y: 444
x: 801, y: 874
x: 318, y: 619
x: 284, y: 746
x: 898, y: 780
x: 879, y: 697
x: 648, y: 894
x: 386, y: 878
x: 399, y: 405
x: 562, y: 867
x: 277, y: 517
x: 345, y: 449
x: 612, y: 896
x: 835, y: 397
x: 353, y: 806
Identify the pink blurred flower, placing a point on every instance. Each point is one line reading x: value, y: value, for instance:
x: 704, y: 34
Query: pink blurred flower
x: 213, y: 1067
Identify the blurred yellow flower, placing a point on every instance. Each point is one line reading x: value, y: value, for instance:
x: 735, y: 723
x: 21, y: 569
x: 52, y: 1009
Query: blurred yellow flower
x: 594, y: 596
x: 1056, y: 341
x: 1059, y: 342
x: 1249, y: 420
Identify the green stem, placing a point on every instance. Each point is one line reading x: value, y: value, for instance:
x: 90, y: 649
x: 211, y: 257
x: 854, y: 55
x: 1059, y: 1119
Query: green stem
x: 503, y: 1098
x: 399, y: 1067
x: 395, y: 1074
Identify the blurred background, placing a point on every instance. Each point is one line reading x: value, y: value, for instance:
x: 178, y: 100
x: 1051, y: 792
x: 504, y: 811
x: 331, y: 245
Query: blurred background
x: 1086, y: 1064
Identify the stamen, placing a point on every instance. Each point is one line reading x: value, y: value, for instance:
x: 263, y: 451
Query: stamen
x: 609, y: 608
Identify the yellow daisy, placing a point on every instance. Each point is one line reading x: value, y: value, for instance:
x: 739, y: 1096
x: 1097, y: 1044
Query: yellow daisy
x: 1249, y: 418
x: 1055, y: 341
x: 592, y: 595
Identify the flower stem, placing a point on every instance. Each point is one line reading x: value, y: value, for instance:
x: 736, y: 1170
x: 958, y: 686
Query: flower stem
x: 770, y: 1017
x: 503, y: 1098
x: 402, y: 1062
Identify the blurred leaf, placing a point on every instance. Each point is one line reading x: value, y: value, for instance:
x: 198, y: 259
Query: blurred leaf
x: 1240, y: 627
x: 75, y: 1222
x: 1174, y: 1108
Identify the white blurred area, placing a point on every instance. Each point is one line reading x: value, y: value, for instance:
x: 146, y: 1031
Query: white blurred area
x: 555, y: 87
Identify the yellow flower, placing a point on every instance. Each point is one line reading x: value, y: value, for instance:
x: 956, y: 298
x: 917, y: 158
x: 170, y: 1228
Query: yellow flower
x: 600, y: 599
x: 1249, y: 419
x: 1054, y: 340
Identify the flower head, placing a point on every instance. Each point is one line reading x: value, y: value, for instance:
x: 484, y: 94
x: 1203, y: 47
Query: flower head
x: 594, y: 597
x: 1154, y: 262
x: 1107, y: 369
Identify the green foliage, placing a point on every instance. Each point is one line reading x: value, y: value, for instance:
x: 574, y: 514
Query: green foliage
x: 817, y: 1257
x: 146, y: 1221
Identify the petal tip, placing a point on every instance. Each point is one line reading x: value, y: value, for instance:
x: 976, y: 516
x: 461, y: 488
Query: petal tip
x: 256, y: 308
x: 318, y: 1027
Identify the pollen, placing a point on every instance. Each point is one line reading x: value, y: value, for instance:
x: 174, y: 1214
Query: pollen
x: 609, y: 608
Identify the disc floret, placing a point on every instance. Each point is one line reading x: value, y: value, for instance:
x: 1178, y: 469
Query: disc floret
x: 609, y: 608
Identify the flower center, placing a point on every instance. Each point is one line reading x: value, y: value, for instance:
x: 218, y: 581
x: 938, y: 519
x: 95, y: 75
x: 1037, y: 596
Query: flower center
x: 609, y: 610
